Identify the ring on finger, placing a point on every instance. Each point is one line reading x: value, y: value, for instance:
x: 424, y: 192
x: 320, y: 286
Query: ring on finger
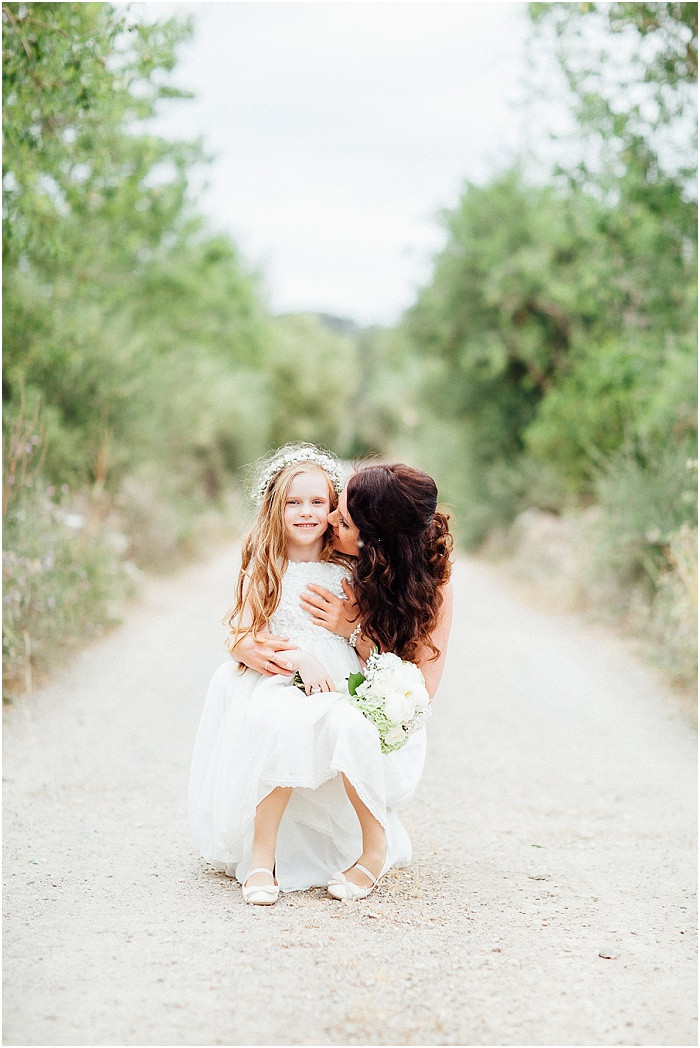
x: 266, y: 665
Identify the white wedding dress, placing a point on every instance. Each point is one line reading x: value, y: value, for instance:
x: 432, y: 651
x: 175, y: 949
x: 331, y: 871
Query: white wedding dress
x: 258, y: 732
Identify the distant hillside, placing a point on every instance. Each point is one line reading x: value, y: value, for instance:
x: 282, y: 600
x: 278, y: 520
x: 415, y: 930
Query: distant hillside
x: 339, y: 325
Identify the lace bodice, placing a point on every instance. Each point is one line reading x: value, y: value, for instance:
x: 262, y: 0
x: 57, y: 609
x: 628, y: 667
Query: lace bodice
x: 289, y: 620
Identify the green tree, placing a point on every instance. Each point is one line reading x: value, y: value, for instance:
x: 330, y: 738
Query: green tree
x: 515, y: 292
x: 312, y: 377
x: 77, y: 80
x: 634, y: 377
x: 559, y: 325
x: 135, y: 327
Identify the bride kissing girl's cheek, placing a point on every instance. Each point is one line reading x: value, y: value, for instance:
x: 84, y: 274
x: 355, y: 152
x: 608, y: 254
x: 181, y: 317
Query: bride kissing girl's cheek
x: 289, y: 788
x: 387, y: 520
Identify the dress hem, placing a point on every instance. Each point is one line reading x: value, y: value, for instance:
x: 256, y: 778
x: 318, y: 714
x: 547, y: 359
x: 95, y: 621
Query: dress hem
x: 224, y: 865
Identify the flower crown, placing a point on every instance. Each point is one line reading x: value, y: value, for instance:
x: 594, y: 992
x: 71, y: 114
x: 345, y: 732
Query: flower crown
x: 292, y: 455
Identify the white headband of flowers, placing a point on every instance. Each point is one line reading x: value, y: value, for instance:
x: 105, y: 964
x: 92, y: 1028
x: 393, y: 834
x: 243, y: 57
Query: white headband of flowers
x: 293, y: 455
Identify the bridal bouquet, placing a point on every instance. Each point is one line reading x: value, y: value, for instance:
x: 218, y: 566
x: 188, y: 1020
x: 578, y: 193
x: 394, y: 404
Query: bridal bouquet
x: 392, y: 694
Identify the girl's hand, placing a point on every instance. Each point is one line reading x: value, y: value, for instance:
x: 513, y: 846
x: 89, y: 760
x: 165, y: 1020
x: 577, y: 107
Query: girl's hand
x: 313, y: 674
x: 265, y: 653
x: 333, y: 613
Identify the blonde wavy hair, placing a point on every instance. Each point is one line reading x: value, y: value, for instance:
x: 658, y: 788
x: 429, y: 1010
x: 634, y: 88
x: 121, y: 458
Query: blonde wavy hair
x: 264, y: 555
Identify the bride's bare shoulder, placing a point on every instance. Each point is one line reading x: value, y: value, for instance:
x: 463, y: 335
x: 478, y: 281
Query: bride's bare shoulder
x: 447, y: 593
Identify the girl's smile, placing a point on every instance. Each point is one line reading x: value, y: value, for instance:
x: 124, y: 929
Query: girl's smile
x: 306, y: 511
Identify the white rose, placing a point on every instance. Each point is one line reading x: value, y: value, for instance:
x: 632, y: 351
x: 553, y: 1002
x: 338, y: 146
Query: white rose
x: 408, y: 677
x: 389, y: 667
x: 394, y: 706
x: 383, y: 684
x: 394, y: 735
x: 420, y: 697
x: 399, y: 708
x: 389, y: 661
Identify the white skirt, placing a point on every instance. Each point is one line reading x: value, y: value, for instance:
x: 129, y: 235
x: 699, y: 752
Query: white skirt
x: 259, y: 732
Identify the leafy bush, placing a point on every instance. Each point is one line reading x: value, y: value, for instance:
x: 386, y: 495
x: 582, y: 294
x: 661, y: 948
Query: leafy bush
x: 593, y: 409
x: 63, y: 578
x: 673, y: 616
x: 312, y: 376
x: 646, y: 495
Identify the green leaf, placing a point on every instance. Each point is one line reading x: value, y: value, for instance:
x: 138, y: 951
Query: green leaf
x: 354, y: 681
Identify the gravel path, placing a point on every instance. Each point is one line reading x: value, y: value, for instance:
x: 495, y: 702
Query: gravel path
x: 555, y: 822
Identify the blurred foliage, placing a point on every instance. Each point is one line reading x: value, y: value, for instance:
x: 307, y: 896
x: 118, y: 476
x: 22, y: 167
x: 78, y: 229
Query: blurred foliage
x: 630, y: 73
x: 312, y: 374
x: 559, y: 328
x: 647, y: 495
x: 63, y: 579
x: 385, y: 404
x: 674, y: 611
x: 644, y: 539
x: 130, y: 324
x: 144, y: 337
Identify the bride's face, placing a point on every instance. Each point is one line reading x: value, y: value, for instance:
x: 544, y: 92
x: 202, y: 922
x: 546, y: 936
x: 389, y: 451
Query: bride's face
x: 345, y: 534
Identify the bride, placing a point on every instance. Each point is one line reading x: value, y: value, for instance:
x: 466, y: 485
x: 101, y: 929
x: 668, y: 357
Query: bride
x: 339, y: 827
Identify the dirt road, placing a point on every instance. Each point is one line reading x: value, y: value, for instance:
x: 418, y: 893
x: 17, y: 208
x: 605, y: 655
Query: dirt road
x: 555, y: 822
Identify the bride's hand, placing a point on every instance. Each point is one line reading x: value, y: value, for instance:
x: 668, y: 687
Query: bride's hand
x: 264, y: 653
x: 333, y: 613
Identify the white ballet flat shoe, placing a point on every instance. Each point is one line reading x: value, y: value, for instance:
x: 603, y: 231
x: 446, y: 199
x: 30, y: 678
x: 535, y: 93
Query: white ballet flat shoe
x: 339, y: 887
x: 261, y: 894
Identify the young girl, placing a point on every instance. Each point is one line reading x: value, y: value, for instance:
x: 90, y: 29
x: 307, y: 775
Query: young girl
x: 277, y: 772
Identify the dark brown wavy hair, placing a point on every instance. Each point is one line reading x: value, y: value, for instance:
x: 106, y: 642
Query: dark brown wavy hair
x: 404, y: 556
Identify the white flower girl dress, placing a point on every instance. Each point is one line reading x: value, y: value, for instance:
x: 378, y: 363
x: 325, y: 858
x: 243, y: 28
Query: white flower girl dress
x: 259, y: 732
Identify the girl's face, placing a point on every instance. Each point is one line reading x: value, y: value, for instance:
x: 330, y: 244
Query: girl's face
x: 305, y: 515
x: 345, y: 534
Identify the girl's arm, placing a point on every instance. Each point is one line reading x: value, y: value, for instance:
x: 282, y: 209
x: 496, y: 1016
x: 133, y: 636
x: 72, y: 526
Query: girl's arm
x: 265, y: 652
x: 270, y: 654
x: 313, y: 673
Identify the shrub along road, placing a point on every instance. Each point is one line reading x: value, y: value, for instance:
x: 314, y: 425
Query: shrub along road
x: 551, y: 899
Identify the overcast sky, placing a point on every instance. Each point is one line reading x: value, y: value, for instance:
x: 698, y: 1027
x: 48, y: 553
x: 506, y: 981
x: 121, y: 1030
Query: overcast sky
x: 341, y: 129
